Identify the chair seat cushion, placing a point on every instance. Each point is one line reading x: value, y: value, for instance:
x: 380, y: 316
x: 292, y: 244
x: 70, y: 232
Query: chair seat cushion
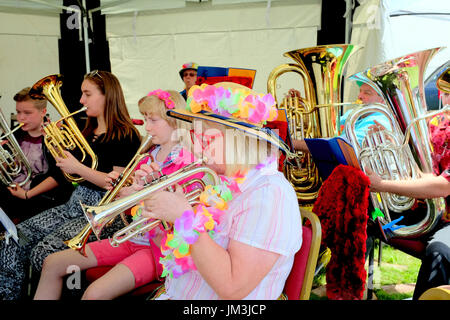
x: 413, y: 247
x: 93, y: 274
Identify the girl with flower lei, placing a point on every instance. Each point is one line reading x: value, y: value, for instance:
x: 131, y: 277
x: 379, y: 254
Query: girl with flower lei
x: 240, y: 241
x: 135, y: 262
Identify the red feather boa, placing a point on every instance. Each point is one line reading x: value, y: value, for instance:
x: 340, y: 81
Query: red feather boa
x: 342, y: 208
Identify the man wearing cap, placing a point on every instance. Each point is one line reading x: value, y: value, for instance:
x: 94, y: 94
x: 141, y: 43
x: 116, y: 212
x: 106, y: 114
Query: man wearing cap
x: 188, y: 74
x: 367, y: 95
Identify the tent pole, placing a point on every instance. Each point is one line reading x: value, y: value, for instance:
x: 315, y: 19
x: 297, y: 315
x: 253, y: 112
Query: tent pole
x: 86, y: 38
x: 348, y: 19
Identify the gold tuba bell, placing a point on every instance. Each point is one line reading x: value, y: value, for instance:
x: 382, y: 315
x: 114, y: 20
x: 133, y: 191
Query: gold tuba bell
x: 405, y: 151
x: 64, y: 133
x: 13, y: 161
x: 317, y: 114
x: 99, y: 216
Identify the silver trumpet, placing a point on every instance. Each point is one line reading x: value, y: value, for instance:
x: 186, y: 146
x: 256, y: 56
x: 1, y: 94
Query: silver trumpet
x: 99, y: 216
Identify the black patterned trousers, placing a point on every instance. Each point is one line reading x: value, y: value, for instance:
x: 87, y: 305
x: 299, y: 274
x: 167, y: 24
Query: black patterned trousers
x: 435, y: 268
x: 14, y: 258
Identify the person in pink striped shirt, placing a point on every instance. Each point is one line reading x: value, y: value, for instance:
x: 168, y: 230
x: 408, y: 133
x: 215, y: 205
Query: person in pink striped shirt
x: 134, y: 262
x: 240, y: 242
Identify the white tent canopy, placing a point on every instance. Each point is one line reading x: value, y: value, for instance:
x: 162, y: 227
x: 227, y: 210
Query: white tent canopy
x: 389, y: 29
x: 150, y: 40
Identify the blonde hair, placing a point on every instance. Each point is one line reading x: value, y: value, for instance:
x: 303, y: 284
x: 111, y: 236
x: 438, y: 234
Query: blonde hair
x: 152, y: 105
x: 24, y: 95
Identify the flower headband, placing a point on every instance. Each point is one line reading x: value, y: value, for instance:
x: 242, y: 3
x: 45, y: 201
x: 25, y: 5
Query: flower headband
x: 164, y: 96
x: 239, y: 103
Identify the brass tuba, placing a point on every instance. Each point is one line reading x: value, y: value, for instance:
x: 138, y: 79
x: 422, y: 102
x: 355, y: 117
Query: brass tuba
x: 317, y: 114
x: 99, y: 216
x: 64, y: 133
x: 405, y: 152
x: 13, y: 161
x: 79, y: 241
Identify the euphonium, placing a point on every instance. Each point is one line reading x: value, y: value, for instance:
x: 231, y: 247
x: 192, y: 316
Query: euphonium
x: 63, y: 134
x: 316, y: 115
x: 79, y: 241
x: 405, y: 152
x: 99, y: 216
x: 12, y: 159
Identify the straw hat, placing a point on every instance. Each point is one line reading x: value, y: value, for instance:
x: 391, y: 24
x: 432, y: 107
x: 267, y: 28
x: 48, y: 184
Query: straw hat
x: 235, y: 106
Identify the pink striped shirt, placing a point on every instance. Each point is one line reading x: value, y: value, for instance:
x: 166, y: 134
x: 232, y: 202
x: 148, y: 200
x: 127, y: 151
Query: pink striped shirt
x: 265, y: 215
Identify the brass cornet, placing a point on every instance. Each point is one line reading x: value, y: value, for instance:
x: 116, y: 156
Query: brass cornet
x: 65, y: 136
x: 79, y: 241
x: 12, y: 159
x: 99, y: 216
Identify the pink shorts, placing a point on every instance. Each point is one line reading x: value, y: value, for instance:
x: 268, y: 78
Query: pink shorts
x: 142, y: 260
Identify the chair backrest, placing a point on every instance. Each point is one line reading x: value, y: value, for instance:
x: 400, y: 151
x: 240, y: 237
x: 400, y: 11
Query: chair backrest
x: 299, y: 282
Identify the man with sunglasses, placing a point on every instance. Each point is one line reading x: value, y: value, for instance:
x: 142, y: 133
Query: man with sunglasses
x: 188, y: 74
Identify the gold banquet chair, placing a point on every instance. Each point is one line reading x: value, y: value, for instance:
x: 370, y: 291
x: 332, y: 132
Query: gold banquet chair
x: 299, y: 282
x: 438, y: 293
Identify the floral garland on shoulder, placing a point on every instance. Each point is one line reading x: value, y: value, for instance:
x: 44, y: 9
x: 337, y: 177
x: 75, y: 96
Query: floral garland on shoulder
x: 206, y: 217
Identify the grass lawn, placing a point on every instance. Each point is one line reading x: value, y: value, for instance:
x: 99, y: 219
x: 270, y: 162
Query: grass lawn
x: 396, y: 268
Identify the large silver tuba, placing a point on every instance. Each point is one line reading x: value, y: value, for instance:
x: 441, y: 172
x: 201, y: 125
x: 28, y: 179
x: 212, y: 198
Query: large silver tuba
x: 99, y: 216
x: 405, y: 152
x: 13, y: 161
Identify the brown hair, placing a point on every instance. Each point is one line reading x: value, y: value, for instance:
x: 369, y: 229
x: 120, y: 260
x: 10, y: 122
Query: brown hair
x: 118, y: 121
x: 24, y: 95
x: 154, y: 105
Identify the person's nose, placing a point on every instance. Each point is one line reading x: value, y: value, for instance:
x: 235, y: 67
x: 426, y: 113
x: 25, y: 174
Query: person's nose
x: 148, y: 127
x: 361, y: 97
x: 20, y: 117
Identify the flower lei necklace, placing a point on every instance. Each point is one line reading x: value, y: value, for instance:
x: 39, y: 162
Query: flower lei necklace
x: 175, y: 246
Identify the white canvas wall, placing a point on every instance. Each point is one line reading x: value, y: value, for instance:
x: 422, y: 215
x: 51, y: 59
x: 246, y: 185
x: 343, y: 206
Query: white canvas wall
x: 28, y: 52
x: 147, y: 50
